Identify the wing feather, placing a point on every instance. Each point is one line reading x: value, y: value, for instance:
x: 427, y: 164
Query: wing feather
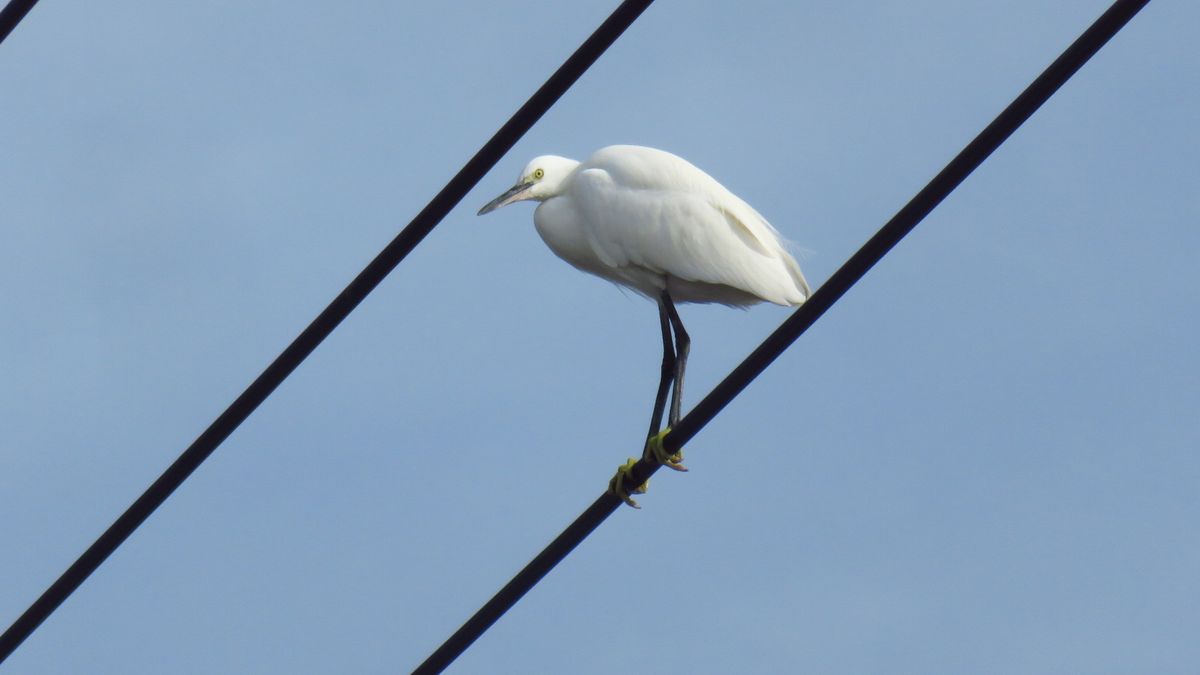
x: 691, y: 229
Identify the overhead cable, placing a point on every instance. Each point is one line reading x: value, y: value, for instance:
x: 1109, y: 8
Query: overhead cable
x: 876, y: 247
x: 324, y: 324
x: 12, y: 14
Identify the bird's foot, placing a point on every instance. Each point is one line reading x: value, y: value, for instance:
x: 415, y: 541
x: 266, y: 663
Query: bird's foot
x: 655, y: 450
x: 617, y: 486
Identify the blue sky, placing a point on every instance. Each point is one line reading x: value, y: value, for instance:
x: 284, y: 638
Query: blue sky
x: 983, y: 460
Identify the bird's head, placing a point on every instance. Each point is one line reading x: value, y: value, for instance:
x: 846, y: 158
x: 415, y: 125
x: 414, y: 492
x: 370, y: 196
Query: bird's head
x: 541, y: 179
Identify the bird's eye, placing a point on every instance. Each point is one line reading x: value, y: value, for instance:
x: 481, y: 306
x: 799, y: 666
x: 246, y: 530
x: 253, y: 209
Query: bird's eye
x: 538, y: 174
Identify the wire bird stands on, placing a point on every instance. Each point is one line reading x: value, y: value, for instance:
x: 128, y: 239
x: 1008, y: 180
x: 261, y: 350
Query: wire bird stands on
x: 858, y: 265
x: 325, y: 323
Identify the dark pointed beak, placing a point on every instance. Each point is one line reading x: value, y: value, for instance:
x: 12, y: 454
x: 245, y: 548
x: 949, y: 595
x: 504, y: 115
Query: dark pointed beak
x: 514, y: 194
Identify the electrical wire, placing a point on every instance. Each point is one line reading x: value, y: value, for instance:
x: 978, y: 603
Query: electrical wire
x: 12, y: 14
x: 324, y: 324
x: 1012, y: 117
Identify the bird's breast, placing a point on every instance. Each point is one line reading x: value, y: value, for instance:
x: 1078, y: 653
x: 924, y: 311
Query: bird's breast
x: 559, y: 225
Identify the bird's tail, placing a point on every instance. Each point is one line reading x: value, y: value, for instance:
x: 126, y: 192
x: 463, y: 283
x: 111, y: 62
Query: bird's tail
x: 793, y: 269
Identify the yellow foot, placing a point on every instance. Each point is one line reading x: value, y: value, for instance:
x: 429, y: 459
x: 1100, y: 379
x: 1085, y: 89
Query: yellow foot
x: 616, y: 486
x: 655, y: 450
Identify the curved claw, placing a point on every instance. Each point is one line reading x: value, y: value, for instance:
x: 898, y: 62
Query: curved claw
x: 655, y: 449
x: 616, y: 486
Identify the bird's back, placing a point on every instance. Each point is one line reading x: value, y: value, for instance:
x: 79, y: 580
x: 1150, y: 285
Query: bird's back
x: 651, y: 218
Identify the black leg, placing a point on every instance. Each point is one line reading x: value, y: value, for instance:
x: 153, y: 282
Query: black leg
x: 668, y: 371
x: 683, y: 344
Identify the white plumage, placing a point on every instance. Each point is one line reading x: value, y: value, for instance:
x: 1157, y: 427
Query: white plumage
x: 649, y: 220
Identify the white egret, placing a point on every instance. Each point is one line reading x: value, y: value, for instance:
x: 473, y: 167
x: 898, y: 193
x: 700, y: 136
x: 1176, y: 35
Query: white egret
x: 651, y: 221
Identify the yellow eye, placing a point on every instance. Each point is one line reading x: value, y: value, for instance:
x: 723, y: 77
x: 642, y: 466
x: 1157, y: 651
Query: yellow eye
x: 538, y: 174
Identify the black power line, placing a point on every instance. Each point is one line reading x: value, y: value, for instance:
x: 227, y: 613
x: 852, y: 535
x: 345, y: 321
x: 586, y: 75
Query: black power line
x: 324, y: 324
x: 858, y: 265
x: 12, y: 14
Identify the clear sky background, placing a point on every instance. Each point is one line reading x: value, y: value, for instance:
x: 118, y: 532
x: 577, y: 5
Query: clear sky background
x: 982, y: 460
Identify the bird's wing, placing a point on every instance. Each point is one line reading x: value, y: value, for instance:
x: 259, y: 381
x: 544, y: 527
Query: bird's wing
x: 773, y: 243
x: 684, y: 233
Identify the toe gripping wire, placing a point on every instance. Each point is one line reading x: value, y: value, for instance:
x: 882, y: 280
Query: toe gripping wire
x: 676, y: 345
